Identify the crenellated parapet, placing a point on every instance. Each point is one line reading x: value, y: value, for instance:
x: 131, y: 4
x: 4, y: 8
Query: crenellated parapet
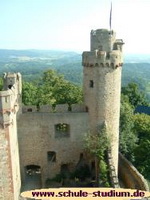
x: 12, y: 81
x: 99, y: 58
x: 106, y: 50
x: 60, y: 108
x: 9, y: 98
x: 5, y: 108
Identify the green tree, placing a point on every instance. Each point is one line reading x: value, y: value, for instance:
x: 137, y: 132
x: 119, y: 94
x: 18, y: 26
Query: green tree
x: 1, y: 84
x: 142, y: 155
x: 56, y: 90
x: 135, y: 136
x: 68, y: 93
x: 45, y: 95
x: 136, y: 97
x: 29, y: 93
x: 97, y: 145
x: 128, y: 138
x: 52, y: 89
x: 142, y: 126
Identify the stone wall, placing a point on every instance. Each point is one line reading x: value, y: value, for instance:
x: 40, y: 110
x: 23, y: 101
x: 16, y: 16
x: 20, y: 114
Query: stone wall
x: 130, y: 176
x: 9, y: 158
x: 37, y: 137
x: 6, y: 187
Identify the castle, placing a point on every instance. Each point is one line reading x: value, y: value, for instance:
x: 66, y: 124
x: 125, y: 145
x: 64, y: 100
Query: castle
x: 51, y: 141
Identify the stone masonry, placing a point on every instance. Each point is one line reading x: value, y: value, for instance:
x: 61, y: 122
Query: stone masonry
x: 102, y: 85
x: 10, y: 181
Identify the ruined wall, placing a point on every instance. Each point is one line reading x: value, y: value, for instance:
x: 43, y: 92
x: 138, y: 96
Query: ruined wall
x: 9, y: 158
x: 102, y: 85
x: 130, y: 176
x: 37, y: 136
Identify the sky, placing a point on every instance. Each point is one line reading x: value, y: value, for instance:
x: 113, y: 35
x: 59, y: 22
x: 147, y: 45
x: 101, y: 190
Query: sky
x: 66, y: 24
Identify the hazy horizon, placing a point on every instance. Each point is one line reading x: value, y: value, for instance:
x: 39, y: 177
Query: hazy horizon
x: 69, y: 51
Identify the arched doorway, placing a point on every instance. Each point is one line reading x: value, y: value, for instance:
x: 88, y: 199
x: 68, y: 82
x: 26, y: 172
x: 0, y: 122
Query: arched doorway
x: 33, y: 179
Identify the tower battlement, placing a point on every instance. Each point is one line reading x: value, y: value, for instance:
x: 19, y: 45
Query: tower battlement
x: 12, y: 81
x: 10, y: 97
x: 105, y: 40
x: 106, y: 50
x: 99, y: 58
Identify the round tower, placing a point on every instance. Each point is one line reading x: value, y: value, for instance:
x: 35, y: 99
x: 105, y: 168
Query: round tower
x: 102, y: 85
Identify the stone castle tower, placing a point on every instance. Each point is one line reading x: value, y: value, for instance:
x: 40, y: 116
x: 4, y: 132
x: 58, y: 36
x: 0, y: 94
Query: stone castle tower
x: 102, y: 85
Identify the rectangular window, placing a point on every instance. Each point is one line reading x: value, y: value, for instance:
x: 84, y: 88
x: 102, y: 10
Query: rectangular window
x: 91, y: 84
x: 62, y: 130
x: 51, y: 156
x: 6, y: 99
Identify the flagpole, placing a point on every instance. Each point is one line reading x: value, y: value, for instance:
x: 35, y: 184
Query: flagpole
x: 110, y: 19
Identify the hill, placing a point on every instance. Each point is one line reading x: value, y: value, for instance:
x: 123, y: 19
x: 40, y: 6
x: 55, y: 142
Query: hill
x: 32, y: 63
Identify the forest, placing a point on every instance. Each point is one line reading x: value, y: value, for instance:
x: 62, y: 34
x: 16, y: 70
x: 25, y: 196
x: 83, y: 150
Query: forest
x: 33, y: 63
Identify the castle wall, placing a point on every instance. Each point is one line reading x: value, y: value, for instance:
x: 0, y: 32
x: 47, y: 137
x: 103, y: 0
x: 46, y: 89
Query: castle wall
x: 37, y: 136
x: 9, y: 158
x: 6, y: 189
x: 9, y: 164
x: 14, y: 153
x: 130, y: 176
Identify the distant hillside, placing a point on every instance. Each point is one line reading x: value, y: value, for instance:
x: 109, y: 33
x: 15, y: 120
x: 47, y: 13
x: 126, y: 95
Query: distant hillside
x: 137, y: 58
x: 32, y: 63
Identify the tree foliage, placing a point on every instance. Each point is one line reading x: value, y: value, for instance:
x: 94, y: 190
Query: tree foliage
x: 142, y: 126
x: 128, y: 139
x: 136, y: 97
x: 52, y: 89
x: 142, y: 129
x: 1, y: 84
x: 135, y: 130
x: 142, y: 155
x: 29, y: 93
x: 97, y: 144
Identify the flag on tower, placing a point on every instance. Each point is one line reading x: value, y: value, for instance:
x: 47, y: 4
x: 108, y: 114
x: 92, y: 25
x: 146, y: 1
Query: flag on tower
x: 110, y: 16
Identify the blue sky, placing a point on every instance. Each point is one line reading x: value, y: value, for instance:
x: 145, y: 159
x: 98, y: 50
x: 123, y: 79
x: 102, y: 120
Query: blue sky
x: 66, y: 24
